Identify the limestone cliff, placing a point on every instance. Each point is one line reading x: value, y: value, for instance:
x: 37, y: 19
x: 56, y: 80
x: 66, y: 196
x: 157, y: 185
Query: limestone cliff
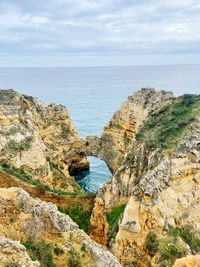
x: 43, y: 230
x: 158, y: 182
x: 12, y: 252
x: 117, y: 135
x: 189, y: 261
x: 40, y: 140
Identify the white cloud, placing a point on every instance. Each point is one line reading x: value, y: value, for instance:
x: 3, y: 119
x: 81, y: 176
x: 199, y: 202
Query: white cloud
x: 100, y: 26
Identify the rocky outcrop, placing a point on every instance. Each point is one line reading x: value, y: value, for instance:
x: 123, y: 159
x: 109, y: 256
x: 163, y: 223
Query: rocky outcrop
x: 32, y: 220
x: 189, y: 261
x: 119, y: 132
x: 158, y: 180
x: 40, y: 139
x: 147, y: 214
x: 12, y: 252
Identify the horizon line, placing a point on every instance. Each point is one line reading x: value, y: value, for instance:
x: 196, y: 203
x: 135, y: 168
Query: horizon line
x: 100, y: 66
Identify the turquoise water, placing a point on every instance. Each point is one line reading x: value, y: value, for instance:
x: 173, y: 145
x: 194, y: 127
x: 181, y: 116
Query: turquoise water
x: 92, y: 95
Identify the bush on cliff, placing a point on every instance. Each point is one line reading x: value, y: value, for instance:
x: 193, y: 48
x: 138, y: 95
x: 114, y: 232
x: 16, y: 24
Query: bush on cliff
x: 152, y: 244
x: 78, y: 215
x: 41, y: 252
x: 163, y: 127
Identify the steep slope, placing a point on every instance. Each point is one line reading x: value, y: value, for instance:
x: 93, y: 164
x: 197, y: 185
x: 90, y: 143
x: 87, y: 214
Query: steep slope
x: 12, y: 253
x: 119, y: 132
x: 156, y: 187
x: 189, y: 261
x: 48, y: 235
x: 41, y: 140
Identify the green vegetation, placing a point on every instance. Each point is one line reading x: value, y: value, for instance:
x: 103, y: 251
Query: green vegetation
x: 113, y: 218
x: 134, y: 263
x: 11, y: 264
x: 83, y: 247
x: 13, y: 147
x: 187, y: 236
x: 26, y: 176
x: 169, y: 248
x: 163, y: 127
x: 74, y: 258
x: 30, y: 99
x: 57, y: 251
x: 117, y: 126
x: 41, y: 252
x: 106, y: 137
x: 65, y: 130
x: 79, y: 215
x: 13, y: 130
x: 114, y: 215
x: 152, y: 244
x: 170, y: 251
x: 126, y: 140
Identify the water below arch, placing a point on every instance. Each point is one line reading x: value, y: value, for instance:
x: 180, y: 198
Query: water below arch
x: 95, y: 177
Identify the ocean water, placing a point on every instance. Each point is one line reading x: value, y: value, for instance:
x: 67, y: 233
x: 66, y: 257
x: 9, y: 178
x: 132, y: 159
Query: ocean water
x: 93, y: 94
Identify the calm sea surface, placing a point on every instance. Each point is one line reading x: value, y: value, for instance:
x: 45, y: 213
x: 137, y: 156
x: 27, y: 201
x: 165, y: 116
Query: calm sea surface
x: 92, y: 95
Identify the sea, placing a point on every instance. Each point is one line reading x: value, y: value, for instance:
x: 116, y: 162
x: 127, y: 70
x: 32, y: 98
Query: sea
x: 93, y: 94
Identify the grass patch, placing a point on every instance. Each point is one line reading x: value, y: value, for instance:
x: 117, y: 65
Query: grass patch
x: 115, y: 214
x: 79, y: 215
x: 13, y: 147
x: 26, y: 176
x: 170, y: 251
x: 164, y: 126
x: 41, y: 252
x: 113, y: 218
x: 187, y: 236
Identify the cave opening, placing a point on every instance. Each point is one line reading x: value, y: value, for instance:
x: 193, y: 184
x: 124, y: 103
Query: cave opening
x: 92, y: 179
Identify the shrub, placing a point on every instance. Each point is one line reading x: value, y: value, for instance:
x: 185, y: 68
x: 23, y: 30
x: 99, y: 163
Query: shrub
x: 74, y: 258
x: 57, y: 251
x: 41, y: 188
x: 170, y: 251
x: 41, y: 252
x: 126, y: 140
x: 65, y: 131
x: 152, y: 244
x: 83, y: 247
x: 187, y: 236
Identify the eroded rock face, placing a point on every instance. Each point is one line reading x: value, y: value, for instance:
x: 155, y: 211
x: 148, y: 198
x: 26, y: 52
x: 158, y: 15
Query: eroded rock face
x: 119, y: 132
x: 189, y: 261
x: 25, y: 219
x: 159, y: 180
x: 12, y: 252
x: 41, y: 139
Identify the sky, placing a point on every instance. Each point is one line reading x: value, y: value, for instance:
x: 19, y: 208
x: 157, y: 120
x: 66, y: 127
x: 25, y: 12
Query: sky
x: 99, y: 32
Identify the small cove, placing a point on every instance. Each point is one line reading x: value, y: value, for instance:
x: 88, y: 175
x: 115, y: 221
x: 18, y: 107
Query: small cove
x: 93, y: 94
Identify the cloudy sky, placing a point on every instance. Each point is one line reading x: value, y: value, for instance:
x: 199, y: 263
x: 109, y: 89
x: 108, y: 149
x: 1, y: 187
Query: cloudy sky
x: 99, y: 32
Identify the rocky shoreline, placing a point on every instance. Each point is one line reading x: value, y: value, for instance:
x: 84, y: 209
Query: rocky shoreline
x: 146, y: 214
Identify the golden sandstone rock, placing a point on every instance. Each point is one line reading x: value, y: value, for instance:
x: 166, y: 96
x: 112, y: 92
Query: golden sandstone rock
x: 189, y: 261
x: 147, y: 214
